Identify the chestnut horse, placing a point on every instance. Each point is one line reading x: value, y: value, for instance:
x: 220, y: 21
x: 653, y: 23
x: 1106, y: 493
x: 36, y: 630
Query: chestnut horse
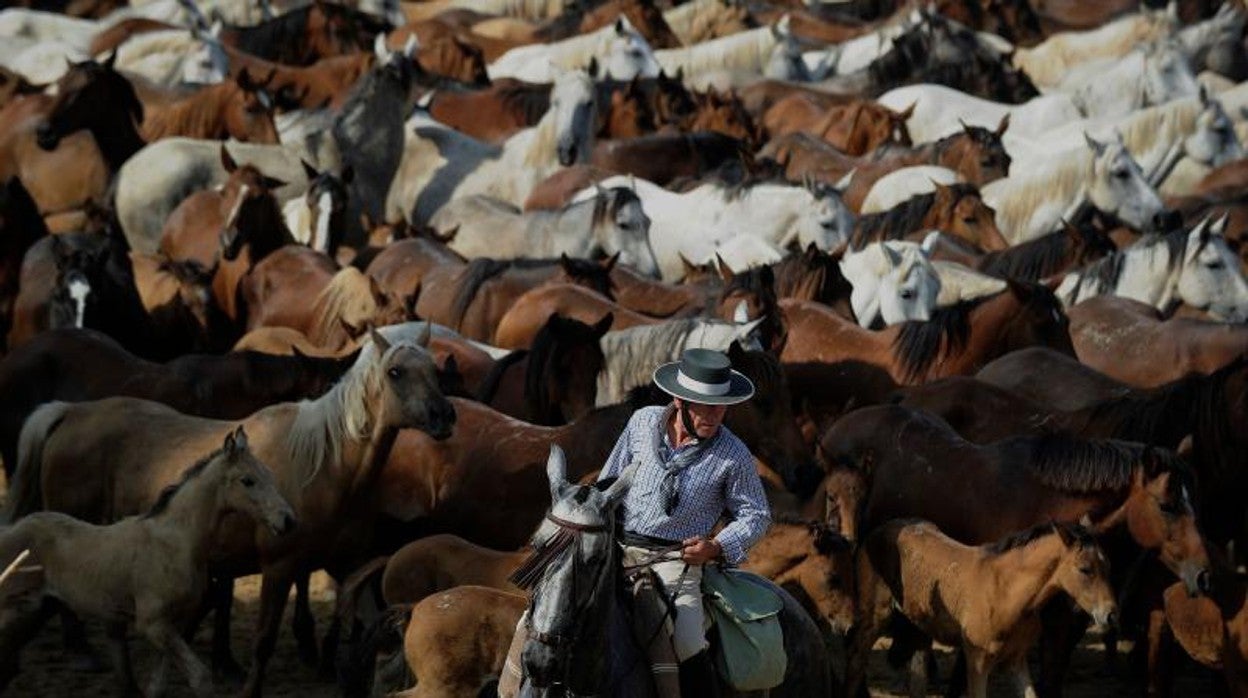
x: 856, y: 128
x: 276, y: 290
x: 238, y: 109
x: 325, y: 454
x: 957, y: 340
x: 956, y: 209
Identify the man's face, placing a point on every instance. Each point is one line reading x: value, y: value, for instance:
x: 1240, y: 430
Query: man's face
x: 706, y: 418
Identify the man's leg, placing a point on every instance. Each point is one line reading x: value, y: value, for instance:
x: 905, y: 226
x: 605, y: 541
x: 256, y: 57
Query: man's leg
x: 684, y: 585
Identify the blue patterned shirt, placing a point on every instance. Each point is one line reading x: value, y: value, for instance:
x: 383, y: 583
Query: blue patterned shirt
x: 722, y: 479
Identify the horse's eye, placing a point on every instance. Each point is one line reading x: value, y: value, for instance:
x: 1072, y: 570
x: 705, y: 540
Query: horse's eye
x: 1214, y: 264
x: 1085, y: 571
x: 1121, y: 174
x: 969, y: 220
x: 248, y: 481
x: 395, y: 372
x: 1169, y: 508
x: 907, y: 294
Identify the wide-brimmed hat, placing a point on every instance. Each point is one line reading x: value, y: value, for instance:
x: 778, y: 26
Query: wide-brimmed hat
x: 704, y: 376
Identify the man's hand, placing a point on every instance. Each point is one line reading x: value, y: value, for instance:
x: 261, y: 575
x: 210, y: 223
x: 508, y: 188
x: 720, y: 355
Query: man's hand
x: 699, y: 551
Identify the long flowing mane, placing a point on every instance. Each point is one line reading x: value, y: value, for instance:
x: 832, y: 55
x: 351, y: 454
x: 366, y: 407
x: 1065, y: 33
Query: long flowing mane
x: 632, y: 354
x: 1059, y: 178
x: 1083, y: 466
x: 747, y: 50
x: 919, y: 344
x: 1044, y: 256
x: 348, y: 298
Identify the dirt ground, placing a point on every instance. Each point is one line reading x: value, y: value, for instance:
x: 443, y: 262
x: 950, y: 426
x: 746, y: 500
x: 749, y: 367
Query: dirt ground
x: 46, y: 671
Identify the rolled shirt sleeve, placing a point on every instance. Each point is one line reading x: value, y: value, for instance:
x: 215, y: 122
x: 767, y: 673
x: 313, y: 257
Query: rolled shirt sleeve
x: 745, y: 500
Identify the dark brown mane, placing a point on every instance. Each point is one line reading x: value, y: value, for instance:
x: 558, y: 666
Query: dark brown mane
x: 168, y: 493
x: 1046, y: 255
x: 1083, y: 537
x: 902, y: 219
x: 1081, y: 466
x: 920, y: 344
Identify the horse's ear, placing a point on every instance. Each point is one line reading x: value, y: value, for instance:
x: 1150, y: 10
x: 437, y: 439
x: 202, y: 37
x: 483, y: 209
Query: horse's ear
x: 1001, y: 127
x: 688, y: 268
x: 736, y: 353
x: 892, y: 256
x: 347, y: 175
x: 1064, y: 532
x: 603, y: 325
x: 244, y: 80
x: 227, y: 161
x: 1204, y: 95
x: 296, y: 352
x: 557, y: 471
x: 767, y: 276
x: 619, y: 488
x: 1020, y: 290
x: 308, y: 170
x: 619, y: 26
x: 379, y: 341
x: 725, y: 271
x: 1097, y: 147
x: 592, y: 68
x: 271, y: 183
x: 908, y: 112
x: 565, y: 262
x: 966, y: 128
x: 425, y: 335
x: 609, y: 263
x: 110, y: 61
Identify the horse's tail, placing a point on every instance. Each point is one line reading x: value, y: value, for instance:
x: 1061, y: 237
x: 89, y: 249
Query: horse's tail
x: 355, y: 656
x: 26, y: 490
x: 381, y: 638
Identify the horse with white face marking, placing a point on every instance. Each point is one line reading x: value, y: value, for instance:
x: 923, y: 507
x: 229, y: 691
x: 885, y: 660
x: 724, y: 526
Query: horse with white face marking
x: 440, y: 164
x: 751, y: 52
x: 1035, y: 199
x: 621, y: 51
x: 316, y: 218
x: 1192, y: 267
x: 612, y: 222
x: 1146, y: 77
x: 695, y: 222
x: 171, y: 57
x: 893, y: 282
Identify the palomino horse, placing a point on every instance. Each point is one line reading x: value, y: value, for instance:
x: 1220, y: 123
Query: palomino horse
x: 1193, y: 267
x: 957, y: 340
x: 930, y: 576
x: 160, y: 590
x: 72, y: 364
x: 581, y: 523
x: 325, y: 454
x: 957, y: 210
x: 1129, y: 341
x: 611, y: 223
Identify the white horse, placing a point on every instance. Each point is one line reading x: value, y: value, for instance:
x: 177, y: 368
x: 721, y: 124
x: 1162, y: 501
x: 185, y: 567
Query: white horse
x: 632, y: 354
x: 742, y: 252
x: 176, y: 56
x: 900, y: 185
x: 440, y: 164
x: 619, y: 49
x: 1144, y: 77
x: 40, y: 61
x: 1034, y: 199
x: 38, y: 25
x: 751, y: 51
x: 696, y: 222
x: 613, y: 222
x: 960, y: 283
x: 1048, y: 62
x: 893, y: 281
x: 859, y: 52
x: 1193, y: 267
x: 941, y: 111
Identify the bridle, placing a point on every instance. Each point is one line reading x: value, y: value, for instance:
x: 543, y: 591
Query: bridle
x: 535, y: 566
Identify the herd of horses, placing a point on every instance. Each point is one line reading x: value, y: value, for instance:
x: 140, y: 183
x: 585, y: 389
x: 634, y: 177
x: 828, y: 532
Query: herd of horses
x: 372, y: 288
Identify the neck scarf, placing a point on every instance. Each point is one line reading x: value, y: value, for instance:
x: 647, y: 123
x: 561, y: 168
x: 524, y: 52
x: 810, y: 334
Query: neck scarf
x: 669, y: 490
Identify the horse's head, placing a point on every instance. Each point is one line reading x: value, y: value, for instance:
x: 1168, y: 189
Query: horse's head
x: 248, y: 485
x: 784, y: 62
x: 207, y: 63
x: 909, y: 288
x: 844, y: 492
x: 649, y: 21
x: 1213, y: 142
x: 247, y: 206
x: 575, y: 565
x: 1167, y: 74
x: 724, y: 114
x: 766, y: 421
x: 751, y: 295
x: 1160, y: 516
x: 81, y: 276
x: 194, y: 292
x: 326, y: 200
x: 629, y: 114
x: 90, y: 96
x: 1211, y: 278
x: 572, y: 100
x: 1083, y: 573
x: 587, y: 273
x: 571, y: 355
x: 249, y: 116
x: 622, y: 227
x: 628, y: 54
x: 1040, y: 321
x: 332, y: 29
x: 1118, y: 187
x: 407, y: 377
x: 673, y: 102
x: 962, y: 211
x: 825, y: 221
x: 978, y: 152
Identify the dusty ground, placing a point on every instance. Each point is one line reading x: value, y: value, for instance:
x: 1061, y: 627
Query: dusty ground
x: 46, y: 672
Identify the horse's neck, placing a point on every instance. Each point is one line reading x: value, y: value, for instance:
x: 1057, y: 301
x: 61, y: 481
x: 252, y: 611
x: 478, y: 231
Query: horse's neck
x: 573, y: 230
x: 118, y: 142
x: 1024, y: 579
x: 1150, y: 276
x: 193, y: 514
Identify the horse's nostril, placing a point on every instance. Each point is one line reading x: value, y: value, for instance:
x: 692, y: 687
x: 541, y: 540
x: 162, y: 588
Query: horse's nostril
x: 1204, y: 582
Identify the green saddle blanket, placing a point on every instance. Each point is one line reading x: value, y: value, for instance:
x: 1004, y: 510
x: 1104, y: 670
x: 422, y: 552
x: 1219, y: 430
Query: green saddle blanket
x: 746, y: 614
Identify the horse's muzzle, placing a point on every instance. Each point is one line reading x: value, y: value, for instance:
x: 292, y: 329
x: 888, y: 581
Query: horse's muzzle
x: 1196, y: 580
x: 440, y: 423
x: 283, y: 523
x: 567, y: 154
x: 46, y: 138
x: 1167, y: 221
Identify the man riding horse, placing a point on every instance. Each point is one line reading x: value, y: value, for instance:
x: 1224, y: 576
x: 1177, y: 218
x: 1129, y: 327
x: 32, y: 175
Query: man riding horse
x: 691, y: 470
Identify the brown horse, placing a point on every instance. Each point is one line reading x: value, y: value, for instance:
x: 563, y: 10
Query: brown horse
x: 528, y: 314
x: 984, y: 599
x: 1213, y: 630
x: 662, y: 299
x: 238, y: 109
x: 662, y: 158
x: 553, y: 382
x: 1131, y: 342
x: 1050, y: 378
x: 325, y: 455
x: 1048, y: 255
x: 275, y: 291
x: 178, y: 299
x: 307, y: 34
x: 812, y: 561
x: 401, y: 264
x: 955, y: 209
x: 956, y: 341
x: 856, y: 128
x: 472, y: 298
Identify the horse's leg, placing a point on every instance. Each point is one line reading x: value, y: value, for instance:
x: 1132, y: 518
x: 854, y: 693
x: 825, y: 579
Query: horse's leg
x: 169, y: 641
x: 273, y: 591
x: 303, y: 624
x: 873, y: 608
x: 1160, y: 679
x: 221, y: 593
x: 976, y: 674
x: 19, y: 629
x: 1060, y: 634
x: 1021, y: 675
x: 918, y: 671
x: 85, y: 658
x: 119, y: 653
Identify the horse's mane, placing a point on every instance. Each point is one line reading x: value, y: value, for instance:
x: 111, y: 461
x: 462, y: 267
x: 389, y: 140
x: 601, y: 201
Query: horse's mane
x: 532, y: 101
x: 1087, y: 465
x: 1148, y: 132
x: 348, y: 297
x: 898, y: 221
x: 196, y: 116
x: 920, y: 344
x: 1103, y: 274
x: 1059, y: 178
x: 608, y: 203
x: 1036, y: 259
x: 1083, y: 537
x: 169, y: 492
x: 747, y: 50
x: 632, y: 354
x: 489, y: 384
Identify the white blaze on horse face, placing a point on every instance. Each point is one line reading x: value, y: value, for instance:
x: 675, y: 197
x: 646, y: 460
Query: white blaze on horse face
x: 1211, y: 278
x: 79, y: 289
x: 1118, y: 186
x: 238, y: 205
x: 321, y: 213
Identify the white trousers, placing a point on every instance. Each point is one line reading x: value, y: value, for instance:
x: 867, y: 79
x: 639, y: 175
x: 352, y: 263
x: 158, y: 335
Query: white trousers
x: 685, y: 582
